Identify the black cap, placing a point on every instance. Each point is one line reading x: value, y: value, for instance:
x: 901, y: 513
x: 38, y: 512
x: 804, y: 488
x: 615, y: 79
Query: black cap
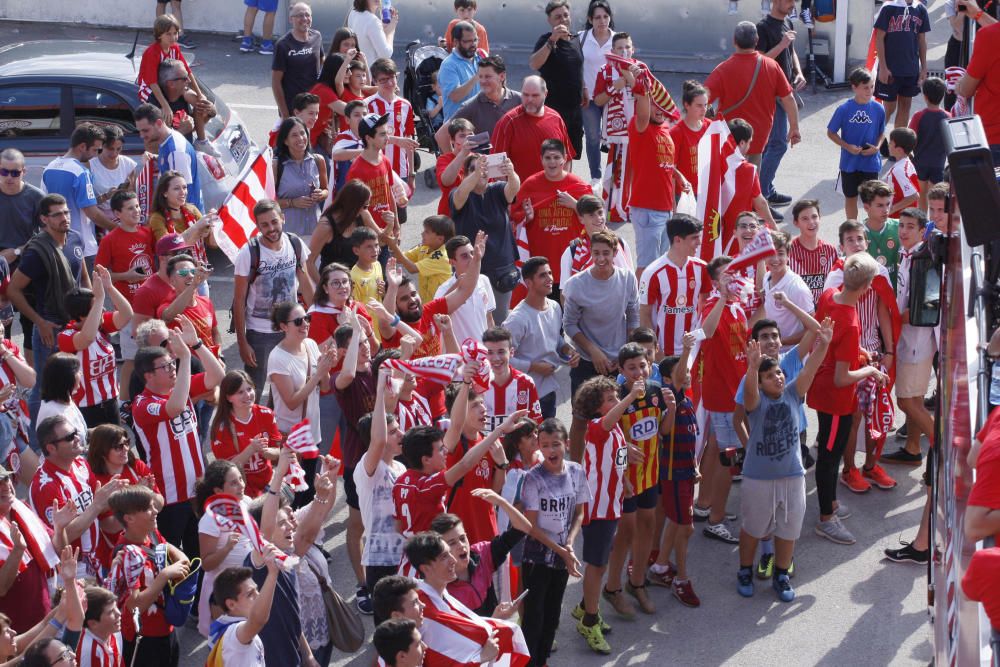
x: 371, y: 122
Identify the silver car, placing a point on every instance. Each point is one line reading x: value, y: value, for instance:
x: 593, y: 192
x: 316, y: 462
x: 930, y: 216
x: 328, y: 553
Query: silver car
x: 48, y: 87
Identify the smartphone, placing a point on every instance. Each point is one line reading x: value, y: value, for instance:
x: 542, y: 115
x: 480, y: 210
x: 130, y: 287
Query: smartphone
x: 516, y: 601
x: 494, y: 165
x: 480, y: 143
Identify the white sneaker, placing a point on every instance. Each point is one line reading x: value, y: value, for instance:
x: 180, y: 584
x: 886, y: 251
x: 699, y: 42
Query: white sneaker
x: 203, y: 146
x: 596, y: 184
x: 834, y: 531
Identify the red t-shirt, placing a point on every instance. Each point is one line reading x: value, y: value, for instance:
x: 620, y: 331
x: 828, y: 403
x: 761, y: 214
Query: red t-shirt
x: 443, y: 161
x: 151, y: 294
x: 686, y: 149
x: 378, y: 178
x: 477, y: 515
x: 150, y: 64
x: 257, y: 470
x: 846, y: 346
x: 430, y: 346
x: 729, y: 81
x: 520, y: 136
x: 202, y: 316
x: 985, y: 66
x: 417, y: 499
x: 327, y: 96
x: 980, y: 582
x: 121, y: 251
x: 724, y: 357
x: 554, y: 226
x: 651, y: 167
x: 986, y: 489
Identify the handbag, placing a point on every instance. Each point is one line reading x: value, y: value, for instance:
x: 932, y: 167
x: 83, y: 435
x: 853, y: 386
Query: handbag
x: 506, y: 279
x: 347, y: 631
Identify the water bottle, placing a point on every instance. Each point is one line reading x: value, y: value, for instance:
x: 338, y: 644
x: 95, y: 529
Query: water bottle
x: 386, y: 11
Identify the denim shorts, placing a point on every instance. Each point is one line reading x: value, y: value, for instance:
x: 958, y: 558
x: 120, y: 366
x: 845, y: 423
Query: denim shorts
x: 722, y: 426
x: 651, y: 240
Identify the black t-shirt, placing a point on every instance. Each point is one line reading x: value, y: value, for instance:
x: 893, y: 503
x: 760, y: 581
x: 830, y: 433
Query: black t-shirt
x: 18, y: 219
x: 32, y: 266
x: 300, y: 61
x: 181, y: 104
x: 487, y: 212
x: 338, y: 250
x: 563, y: 73
x: 769, y: 32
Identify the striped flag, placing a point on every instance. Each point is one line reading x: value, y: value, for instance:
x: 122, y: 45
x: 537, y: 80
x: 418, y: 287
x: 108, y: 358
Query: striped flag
x: 236, y: 224
x: 718, y: 158
x: 300, y: 440
x: 658, y: 93
x: 440, y: 369
x: 760, y: 247
x: 231, y: 515
x: 473, y: 350
x: 145, y: 184
x: 35, y: 535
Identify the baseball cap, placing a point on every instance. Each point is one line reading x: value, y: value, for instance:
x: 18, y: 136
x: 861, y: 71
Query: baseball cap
x: 5, y: 474
x: 368, y: 124
x: 171, y: 243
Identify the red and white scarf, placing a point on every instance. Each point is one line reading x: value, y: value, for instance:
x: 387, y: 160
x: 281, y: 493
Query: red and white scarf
x: 35, y: 535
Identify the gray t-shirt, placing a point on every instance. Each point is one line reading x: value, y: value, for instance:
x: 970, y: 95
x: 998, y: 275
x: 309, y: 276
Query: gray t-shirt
x: 602, y: 310
x: 536, y: 335
x: 276, y: 281
x: 18, y: 216
x: 773, y: 447
x: 555, y: 498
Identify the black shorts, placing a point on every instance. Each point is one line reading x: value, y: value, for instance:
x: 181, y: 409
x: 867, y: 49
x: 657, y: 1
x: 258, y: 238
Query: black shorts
x: 164, y: 2
x: 905, y: 86
x: 598, y: 536
x: 351, y: 489
x: 644, y: 501
x: 850, y: 181
x: 933, y: 174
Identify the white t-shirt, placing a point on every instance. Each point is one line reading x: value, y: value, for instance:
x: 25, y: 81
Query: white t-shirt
x: 276, y: 281
x: 235, y: 558
x: 797, y: 292
x: 106, y: 179
x: 235, y: 652
x: 593, y: 57
x: 280, y: 362
x: 70, y: 412
x: 469, y: 321
x: 371, y: 38
x: 383, y: 544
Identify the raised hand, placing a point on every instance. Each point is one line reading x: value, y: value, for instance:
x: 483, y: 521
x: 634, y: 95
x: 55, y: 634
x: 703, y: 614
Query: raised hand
x: 825, y: 334
x: 188, y: 333
x: 753, y: 354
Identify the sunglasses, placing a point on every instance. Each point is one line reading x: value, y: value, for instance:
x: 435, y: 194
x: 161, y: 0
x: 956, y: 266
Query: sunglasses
x: 120, y: 445
x: 184, y: 273
x: 299, y: 321
x: 11, y: 172
x: 69, y: 437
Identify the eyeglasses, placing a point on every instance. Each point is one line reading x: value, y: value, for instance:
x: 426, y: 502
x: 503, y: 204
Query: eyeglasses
x: 121, y: 444
x: 11, y: 172
x: 170, y: 364
x: 299, y: 321
x: 69, y: 437
x: 67, y: 655
x: 747, y: 225
x: 302, y: 16
x: 339, y: 283
x: 184, y: 273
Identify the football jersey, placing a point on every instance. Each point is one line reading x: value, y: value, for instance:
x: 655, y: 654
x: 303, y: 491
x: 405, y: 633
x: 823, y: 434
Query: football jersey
x: 97, y: 362
x: 257, y: 470
x: 76, y: 485
x: 172, y: 443
x: 417, y: 499
x: 414, y: 412
x: 519, y: 393
x: 68, y: 177
x: 672, y: 294
x: 92, y: 652
x: 178, y: 154
x: 641, y: 426
x: 813, y: 266
x: 883, y: 245
x: 904, y: 181
x: 605, y: 460
x: 400, y: 125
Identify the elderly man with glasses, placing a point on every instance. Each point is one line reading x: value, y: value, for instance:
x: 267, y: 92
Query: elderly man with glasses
x: 175, y: 82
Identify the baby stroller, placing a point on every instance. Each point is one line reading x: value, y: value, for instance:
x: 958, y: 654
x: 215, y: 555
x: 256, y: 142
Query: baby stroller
x: 422, y: 60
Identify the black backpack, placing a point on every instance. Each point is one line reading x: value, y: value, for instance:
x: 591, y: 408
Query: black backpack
x: 254, y: 244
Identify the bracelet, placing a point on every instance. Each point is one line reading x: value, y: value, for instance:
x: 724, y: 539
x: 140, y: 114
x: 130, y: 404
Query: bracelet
x: 978, y: 16
x: 395, y: 320
x: 502, y: 466
x: 467, y: 382
x: 551, y: 45
x: 321, y: 502
x: 197, y: 345
x: 56, y: 624
x: 268, y: 489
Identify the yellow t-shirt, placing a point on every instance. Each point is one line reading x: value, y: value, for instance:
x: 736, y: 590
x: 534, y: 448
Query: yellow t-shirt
x: 434, y: 269
x: 365, y: 283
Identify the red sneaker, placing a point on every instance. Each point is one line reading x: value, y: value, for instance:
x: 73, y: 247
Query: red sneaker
x: 664, y: 579
x: 653, y: 555
x: 879, y: 477
x: 852, y: 479
x: 684, y: 592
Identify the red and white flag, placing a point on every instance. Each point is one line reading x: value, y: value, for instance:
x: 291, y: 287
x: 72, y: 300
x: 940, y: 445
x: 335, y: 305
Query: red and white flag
x: 718, y: 158
x: 231, y: 515
x: 35, y: 535
x: 473, y: 350
x: 300, y: 440
x: 441, y: 369
x: 237, y: 225
x: 760, y: 247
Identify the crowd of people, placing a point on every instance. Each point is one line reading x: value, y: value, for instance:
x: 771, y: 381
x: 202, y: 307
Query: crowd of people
x: 160, y: 483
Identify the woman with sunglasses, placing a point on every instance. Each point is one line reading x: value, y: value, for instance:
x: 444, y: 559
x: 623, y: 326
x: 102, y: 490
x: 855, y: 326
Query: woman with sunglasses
x: 331, y: 241
x: 108, y: 455
x: 86, y: 336
x: 297, y: 368
x: 61, y: 379
x: 172, y: 214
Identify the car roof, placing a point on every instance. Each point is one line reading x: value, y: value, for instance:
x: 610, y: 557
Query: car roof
x: 70, y: 59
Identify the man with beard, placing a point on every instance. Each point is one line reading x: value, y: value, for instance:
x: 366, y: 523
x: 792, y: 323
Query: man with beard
x: 403, y: 303
x: 522, y: 130
x: 458, y: 75
x: 486, y: 109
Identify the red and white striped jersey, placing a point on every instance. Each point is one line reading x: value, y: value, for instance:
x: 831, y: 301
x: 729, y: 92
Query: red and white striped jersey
x: 605, y: 461
x: 415, y: 412
x: 672, y: 293
x: 871, y: 336
x: 904, y: 181
x: 400, y: 125
x: 76, y: 485
x: 92, y: 652
x: 518, y: 394
x: 16, y: 406
x: 97, y: 361
x: 172, y: 443
x: 813, y: 266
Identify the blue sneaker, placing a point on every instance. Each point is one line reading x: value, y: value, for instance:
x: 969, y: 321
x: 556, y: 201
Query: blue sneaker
x: 783, y: 587
x: 744, y: 582
x: 246, y: 45
x: 266, y: 47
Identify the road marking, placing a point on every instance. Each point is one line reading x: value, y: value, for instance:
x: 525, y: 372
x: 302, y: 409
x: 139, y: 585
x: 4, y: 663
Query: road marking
x: 262, y: 107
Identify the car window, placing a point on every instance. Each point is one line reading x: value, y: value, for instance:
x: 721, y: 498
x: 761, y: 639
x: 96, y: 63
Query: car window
x: 30, y: 111
x: 102, y: 108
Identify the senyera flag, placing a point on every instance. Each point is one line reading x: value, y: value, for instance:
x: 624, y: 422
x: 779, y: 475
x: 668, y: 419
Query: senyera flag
x: 441, y: 369
x: 231, y: 515
x: 236, y: 224
x: 718, y: 158
x: 760, y: 247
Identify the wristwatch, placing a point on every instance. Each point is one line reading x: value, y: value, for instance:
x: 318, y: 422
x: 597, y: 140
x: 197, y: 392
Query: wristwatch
x: 17, y: 252
x: 502, y: 466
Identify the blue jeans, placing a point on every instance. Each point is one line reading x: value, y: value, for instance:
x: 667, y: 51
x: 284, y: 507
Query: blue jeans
x: 651, y: 240
x: 41, y: 353
x: 777, y: 144
x: 592, y: 115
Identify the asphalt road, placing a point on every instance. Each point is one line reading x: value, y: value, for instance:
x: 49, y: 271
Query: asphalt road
x: 852, y: 607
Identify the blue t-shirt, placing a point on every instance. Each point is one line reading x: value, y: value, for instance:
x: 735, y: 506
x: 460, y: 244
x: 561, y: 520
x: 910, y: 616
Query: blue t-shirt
x: 178, y: 154
x: 280, y: 634
x: 68, y: 177
x: 791, y: 366
x: 903, y: 25
x: 859, y: 124
x: 773, y: 449
x: 454, y: 71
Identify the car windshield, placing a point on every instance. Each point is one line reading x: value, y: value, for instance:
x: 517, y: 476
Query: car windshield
x: 215, y: 125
